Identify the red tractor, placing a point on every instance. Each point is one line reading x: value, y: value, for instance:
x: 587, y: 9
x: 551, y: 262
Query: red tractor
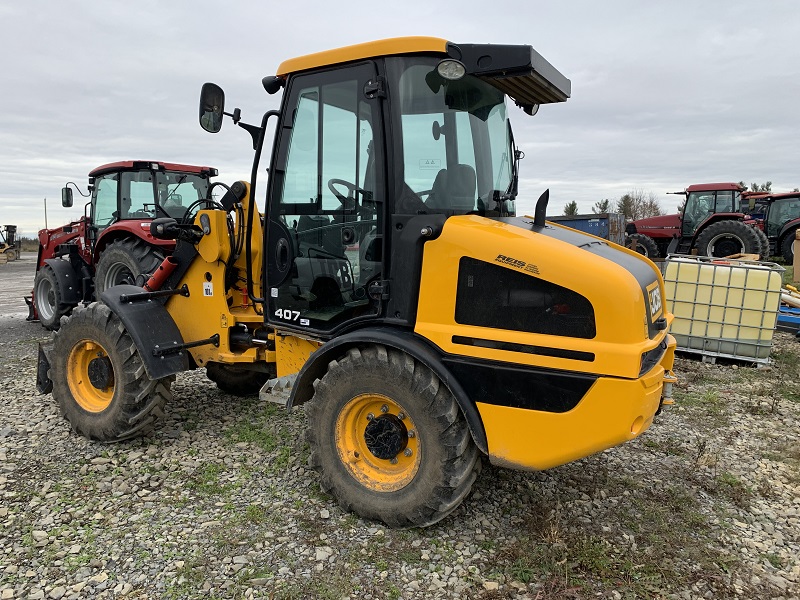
x: 712, y: 222
x: 779, y: 220
x: 111, y: 243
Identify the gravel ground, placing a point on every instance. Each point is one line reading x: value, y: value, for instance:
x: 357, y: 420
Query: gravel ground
x: 219, y: 503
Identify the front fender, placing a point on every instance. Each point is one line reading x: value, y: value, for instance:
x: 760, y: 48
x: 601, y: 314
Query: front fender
x: 150, y: 326
x: 68, y: 282
x: 405, y: 341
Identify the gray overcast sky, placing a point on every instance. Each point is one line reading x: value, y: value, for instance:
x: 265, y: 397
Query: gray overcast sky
x: 664, y: 94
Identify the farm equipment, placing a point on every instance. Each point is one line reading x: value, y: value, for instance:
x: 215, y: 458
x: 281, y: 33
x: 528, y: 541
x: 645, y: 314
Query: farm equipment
x: 780, y: 220
x: 388, y: 281
x: 9, y: 246
x: 712, y: 223
x: 112, y: 242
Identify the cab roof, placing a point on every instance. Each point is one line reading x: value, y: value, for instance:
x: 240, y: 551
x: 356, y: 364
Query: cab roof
x: 517, y: 70
x: 713, y: 187
x: 127, y: 165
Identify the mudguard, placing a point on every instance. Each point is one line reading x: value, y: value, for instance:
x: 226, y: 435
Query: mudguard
x: 151, y: 327
x: 405, y: 341
x: 68, y: 281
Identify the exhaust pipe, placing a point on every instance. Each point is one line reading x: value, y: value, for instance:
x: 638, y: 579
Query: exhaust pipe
x: 541, y: 209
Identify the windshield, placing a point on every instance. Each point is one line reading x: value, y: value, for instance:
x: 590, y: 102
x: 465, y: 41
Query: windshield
x: 455, y: 153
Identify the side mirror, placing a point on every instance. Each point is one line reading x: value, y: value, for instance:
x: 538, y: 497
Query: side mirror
x: 212, y: 103
x: 66, y: 197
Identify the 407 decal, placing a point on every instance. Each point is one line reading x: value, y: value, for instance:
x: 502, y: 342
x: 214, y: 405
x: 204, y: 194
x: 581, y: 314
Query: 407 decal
x: 291, y: 315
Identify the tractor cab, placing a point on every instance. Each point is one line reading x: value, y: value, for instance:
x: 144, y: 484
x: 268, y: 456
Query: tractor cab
x: 707, y: 199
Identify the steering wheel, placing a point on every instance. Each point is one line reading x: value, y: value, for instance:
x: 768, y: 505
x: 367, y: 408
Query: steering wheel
x: 349, y: 202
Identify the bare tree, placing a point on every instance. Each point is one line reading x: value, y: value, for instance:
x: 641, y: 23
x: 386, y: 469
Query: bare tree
x: 571, y: 209
x: 638, y: 204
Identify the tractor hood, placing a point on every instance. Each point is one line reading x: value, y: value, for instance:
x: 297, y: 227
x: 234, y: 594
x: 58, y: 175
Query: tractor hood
x: 663, y: 222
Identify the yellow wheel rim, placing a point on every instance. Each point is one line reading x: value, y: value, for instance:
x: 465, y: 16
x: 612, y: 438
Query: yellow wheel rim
x: 93, y: 393
x: 378, y: 442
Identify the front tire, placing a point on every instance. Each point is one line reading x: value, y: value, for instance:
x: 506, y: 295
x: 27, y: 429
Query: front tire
x: 389, y: 440
x: 726, y: 238
x: 47, y: 297
x: 99, y: 380
x: 126, y: 261
x: 645, y: 245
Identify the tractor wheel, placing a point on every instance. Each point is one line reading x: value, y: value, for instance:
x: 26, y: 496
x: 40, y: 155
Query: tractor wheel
x: 765, y: 253
x: 127, y: 260
x: 47, y: 298
x: 236, y: 380
x: 728, y: 237
x: 389, y: 440
x: 645, y: 245
x: 99, y: 380
x: 11, y: 254
x: 787, y: 247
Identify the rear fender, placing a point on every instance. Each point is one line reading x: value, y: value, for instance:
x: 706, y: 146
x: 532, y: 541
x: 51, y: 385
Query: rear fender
x: 317, y: 364
x: 151, y: 327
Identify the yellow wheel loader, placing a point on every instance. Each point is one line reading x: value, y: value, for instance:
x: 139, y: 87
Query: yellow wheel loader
x: 384, y: 273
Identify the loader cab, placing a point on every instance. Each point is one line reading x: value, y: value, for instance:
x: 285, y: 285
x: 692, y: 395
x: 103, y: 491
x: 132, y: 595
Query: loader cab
x: 342, y: 189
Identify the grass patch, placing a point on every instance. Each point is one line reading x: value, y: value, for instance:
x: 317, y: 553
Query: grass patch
x: 206, y: 480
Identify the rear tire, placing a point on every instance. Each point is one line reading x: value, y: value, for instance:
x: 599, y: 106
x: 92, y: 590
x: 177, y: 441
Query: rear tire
x: 99, y: 380
x: 765, y: 253
x: 11, y: 254
x: 645, y: 245
x: 389, y: 440
x: 127, y: 260
x: 726, y: 238
x: 236, y: 380
x: 47, y: 297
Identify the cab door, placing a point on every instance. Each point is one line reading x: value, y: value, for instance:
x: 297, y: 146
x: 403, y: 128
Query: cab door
x: 326, y: 198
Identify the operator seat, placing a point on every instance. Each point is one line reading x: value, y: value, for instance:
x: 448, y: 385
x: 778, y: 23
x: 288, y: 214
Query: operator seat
x: 453, y: 190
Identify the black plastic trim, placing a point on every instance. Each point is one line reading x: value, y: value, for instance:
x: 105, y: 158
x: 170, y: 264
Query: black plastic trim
x: 525, y: 348
x: 520, y: 386
x: 150, y: 326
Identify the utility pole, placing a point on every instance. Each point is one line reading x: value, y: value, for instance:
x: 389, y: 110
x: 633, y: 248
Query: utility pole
x: 45, y: 213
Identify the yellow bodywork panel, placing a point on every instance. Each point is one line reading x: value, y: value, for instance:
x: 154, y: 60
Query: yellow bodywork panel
x: 211, y: 309
x: 613, y: 411
x: 387, y: 47
x: 292, y: 353
x: 619, y: 404
x: 621, y: 337
x: 216, y: 245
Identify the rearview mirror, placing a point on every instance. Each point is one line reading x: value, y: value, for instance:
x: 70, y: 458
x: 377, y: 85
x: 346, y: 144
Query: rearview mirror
x: 212, y: 103
x: 66, y: 197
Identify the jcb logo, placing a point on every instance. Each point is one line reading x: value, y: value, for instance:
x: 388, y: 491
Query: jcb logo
x: 655, y: 301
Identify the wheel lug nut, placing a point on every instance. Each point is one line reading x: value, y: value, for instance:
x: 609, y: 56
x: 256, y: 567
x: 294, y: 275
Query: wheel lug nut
x: 370, y: 416
x: 412, y: 433
x: 408, y: 452
x: 393, y: 460
x: 401, y: 415
x: 384, y: 408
